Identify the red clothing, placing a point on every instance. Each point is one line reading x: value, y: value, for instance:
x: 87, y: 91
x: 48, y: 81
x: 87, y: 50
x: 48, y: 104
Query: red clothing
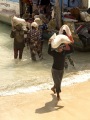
x: 71, y: 38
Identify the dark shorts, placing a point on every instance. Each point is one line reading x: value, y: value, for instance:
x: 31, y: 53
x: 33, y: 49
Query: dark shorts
x: 57, y: 76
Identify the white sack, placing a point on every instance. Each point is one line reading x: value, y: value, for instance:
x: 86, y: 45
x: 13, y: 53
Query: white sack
x: 59, y: 39
x: 36, y: 16
x: 53, y: 36
x: 15, y: 21
x: 38, y: 21
x: 85, y: 16
x: 66, y: 28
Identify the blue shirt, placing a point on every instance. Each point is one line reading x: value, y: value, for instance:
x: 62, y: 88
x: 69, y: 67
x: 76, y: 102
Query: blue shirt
x: 76, y: 3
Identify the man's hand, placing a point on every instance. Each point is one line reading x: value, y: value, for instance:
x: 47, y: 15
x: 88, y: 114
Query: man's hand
x: 49, y: 42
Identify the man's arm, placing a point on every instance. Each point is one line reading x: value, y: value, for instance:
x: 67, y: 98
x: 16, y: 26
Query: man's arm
x: 50, y: 51
x: 69, y: 50
x: 12, y: 35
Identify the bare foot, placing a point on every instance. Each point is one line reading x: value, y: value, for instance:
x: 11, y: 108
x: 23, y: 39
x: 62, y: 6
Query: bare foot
x: 58, y: 97
x: 53, y: 89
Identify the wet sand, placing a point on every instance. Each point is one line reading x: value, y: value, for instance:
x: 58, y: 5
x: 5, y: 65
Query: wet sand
x: 43, y: 105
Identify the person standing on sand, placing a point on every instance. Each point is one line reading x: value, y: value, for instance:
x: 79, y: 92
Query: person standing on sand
x: 58, y: 65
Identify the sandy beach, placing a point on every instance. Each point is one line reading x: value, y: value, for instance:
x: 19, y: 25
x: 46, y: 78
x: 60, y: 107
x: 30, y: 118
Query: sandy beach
x: 43, y: 105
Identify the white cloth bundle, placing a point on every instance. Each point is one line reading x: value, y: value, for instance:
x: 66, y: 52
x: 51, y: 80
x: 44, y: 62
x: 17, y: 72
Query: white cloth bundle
x: 66, y: 28
x: 15, y: 21
x: 53, y: 36
x: 36, y: 16
x: 34, y: 24
x: 85, y: 16
x: 59, y: 39
x: 38, y: 21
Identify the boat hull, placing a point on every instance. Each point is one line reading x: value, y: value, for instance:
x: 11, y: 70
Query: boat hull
x: 9, y: 8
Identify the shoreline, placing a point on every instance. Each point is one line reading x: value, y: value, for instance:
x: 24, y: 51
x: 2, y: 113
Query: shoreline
x: 67, y: 81
x: 43, y: 105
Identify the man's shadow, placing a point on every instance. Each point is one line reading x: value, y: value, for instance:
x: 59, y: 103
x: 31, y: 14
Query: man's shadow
x: 49, y: 106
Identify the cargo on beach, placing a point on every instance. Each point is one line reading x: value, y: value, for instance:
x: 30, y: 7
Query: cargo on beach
x: 9, y: 8
x: 66, y: 13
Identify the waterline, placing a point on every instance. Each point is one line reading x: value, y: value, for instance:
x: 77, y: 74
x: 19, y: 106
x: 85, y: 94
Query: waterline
x: 82, y: 76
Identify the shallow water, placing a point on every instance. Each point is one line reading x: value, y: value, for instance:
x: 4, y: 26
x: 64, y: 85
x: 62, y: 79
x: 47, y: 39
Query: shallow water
x: 28, y: 76
x: 24, y: 72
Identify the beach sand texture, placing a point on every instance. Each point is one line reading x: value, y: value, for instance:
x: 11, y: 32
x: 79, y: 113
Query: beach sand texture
x: 43, y: 105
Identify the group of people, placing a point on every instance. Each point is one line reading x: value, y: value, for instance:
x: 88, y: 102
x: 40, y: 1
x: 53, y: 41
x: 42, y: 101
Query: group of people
x: 34, y: 40
x: 43, y: 7
x: 32, y: 36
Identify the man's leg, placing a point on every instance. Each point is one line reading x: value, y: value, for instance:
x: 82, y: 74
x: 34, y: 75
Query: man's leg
x: 15, y: 53
x: 70, y: 60
x: 54, y: 88
x: 20, y: 53
x: 57, y: 78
